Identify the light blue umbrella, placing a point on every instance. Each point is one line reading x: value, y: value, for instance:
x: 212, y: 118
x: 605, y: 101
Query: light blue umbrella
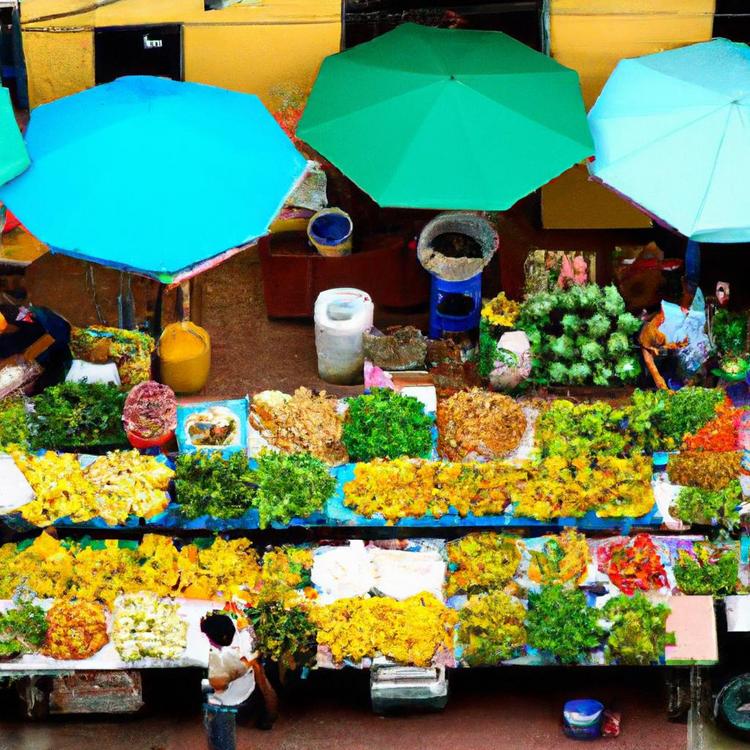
x: 672, y: 134
x: 153, y: 176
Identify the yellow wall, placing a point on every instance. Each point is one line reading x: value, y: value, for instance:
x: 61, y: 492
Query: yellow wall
x: 253, y: 48
x: 591, y: 36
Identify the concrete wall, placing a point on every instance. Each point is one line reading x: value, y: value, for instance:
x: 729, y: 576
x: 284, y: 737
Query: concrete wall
x: 253, y: 48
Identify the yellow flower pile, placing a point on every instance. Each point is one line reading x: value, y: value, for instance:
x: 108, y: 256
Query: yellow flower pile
x: 286, y: 574
x: 482, y: 561
x: 75, y: 630
x: 551, y: 488
x: 501, y: 311
x: 102, y: 572
x: 412, y: 631
x: 114, y: 486
x: 614, y: 487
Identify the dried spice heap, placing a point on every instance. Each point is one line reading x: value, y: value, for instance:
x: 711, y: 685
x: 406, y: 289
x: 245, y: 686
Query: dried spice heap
x: 477, y: 424
x: 302, y: 423
x: 75, y: 630
x: 708, y: 470
x: 150, y: 410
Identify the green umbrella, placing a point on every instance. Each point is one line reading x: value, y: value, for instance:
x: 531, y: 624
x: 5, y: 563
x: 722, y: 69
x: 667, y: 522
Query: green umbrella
x: 14, y: 158
x: 446, y: 118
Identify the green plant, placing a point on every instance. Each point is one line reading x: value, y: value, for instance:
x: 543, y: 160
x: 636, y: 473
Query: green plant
x: 701, y: 506
x: 709, y: 570
x: 685, y: 411
x: 23, y: 627
x: 291, y: 485
x: 580, y: 335
x: 208, y: 484
x: 571, y: 430
x: 70, y: 415
x: 14, y: 423
x: 729, y: 332
x: 638, y: 631
x: 385, y: 424
x: 560, y: 623
x: 285, y: 634
x: 491, y: 628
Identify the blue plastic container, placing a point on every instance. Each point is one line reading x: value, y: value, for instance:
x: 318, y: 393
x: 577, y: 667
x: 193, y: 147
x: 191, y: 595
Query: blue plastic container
x: 582, y: 719
x: 455, y: 306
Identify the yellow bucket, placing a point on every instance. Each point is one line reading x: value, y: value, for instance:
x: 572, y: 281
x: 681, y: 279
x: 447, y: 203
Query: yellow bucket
x: 185, y: 356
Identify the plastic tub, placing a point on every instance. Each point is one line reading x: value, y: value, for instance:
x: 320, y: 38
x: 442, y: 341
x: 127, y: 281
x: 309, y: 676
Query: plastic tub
x: 330, y: 232
x: 341, y: 318
x: 185, y: 356
x: 582, y: 719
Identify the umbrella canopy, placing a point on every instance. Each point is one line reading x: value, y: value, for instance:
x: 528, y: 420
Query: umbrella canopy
x: 152, y: 175
x: 13, y: 155
x: 446, y: 118
x: 672, y: 133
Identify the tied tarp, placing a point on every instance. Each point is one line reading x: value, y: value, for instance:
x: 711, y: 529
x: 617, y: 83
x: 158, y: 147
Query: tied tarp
x: 153, y: 176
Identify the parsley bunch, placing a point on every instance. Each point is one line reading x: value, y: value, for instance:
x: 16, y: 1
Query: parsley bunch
x: 385, y: 424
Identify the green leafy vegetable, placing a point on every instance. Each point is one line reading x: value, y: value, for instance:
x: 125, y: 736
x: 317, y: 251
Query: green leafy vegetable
x: 491, y: 628
x: 14, y: 423
x: 686, y: 411
x: 386, y: 424
x: 72, y: 415
x: 23, y: 627
x: 291, y: 485
x: 286, y: 635
x: 729, y: 332
x: 560, y: 623
x: 701, y: 506
x: 709, y: 570
x: 208, y: 484
x: 638, y: 633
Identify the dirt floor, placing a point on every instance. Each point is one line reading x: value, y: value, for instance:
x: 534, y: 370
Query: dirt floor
x: 488, y: 710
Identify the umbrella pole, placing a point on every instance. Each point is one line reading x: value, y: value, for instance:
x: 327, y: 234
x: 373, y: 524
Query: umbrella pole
x: 693, y: 264
x: 125, y: 303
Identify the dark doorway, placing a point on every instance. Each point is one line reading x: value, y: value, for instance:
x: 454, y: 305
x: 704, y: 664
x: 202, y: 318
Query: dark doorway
x: 138, y: 50
x: 366, y: 19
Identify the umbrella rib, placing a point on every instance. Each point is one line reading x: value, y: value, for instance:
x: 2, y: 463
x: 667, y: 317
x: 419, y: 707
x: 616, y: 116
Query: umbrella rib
x: 528, y: 118
x: 713, y: 171
x: 344, y: 115
x: 662, y: 137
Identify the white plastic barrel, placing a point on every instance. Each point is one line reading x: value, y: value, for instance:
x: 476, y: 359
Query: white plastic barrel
x: 341, y: 317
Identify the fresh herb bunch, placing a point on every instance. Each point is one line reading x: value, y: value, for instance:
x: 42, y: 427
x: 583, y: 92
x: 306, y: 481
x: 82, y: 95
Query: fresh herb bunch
x: 291, y: 485
x: 561, y: 623
x: 709, y: 570
x: 208, y: 484
x: 706, y: 507
x: 643, y: 416
x: 285, y: 634
x: 685, y: 411
x: 638, y: 633
x: 491, y: 628
x: 71, y: 415
x: 14, y: 423
x: 571, y: 430
x: 580, y: 335
x: 22, y: 628
x: 385, y: 424
x: 729, y: 332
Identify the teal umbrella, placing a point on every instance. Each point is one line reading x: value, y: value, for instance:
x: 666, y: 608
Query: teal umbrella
x: 446, y: 118
x: 14, y: 158
x: 672, y: 134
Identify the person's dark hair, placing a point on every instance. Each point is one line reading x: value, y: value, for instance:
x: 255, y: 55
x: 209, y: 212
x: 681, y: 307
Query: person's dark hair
x: 218, y: 628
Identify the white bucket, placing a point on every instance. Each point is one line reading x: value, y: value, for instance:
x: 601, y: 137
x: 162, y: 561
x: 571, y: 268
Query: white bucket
x: 341, y: 317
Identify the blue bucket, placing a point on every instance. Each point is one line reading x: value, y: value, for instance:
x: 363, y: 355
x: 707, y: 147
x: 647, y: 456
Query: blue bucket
x: 582, y: 719
x: 330, y: 232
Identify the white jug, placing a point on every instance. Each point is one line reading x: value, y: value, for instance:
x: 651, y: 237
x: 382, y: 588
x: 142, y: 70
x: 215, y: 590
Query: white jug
x: 341, y: 317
